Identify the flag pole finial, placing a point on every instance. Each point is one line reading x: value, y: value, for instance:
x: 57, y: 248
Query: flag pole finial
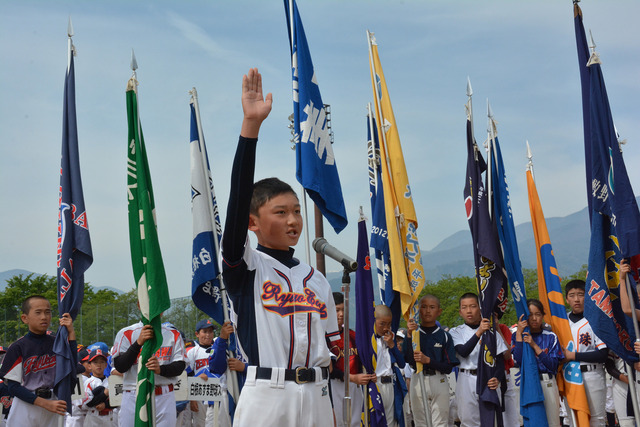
x: 70, y: 28
x: 529, y: 158
x: 594, y: 58
x: 469, y: 89
x: 134, y: 63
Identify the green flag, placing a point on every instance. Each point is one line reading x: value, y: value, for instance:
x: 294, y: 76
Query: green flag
x: 148, y: 269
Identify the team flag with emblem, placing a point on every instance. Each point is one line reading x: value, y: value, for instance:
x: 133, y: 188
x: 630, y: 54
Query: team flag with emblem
x: 365, y: 336
x: 379, y: 241
x: 402, y: 223
x: 531, y: 397
x: 570, y: 381
x: 74, y: 255
x: 146, y: 258
x: 491, y: 279
x: 316, y: 167
x: 205, y: 269
x: 615, y: 223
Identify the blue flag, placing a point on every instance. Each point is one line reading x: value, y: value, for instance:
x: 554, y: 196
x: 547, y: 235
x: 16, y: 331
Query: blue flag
x: 583, y: 58
x: 74, y: 255
x: 365, y: 335
x: 379, y: 240
x: 316, y: 166
x: 531, y: 397
x: 615, y: 222
x: 205, y: 272
x: 490, y: 278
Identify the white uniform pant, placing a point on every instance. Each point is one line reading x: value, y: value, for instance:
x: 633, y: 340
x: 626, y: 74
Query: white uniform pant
x: 218, y: 413
x: 551, y: 399
x: 165, y: 409
x: 357, y: 402
x: 596, y: 389
x: 25, y: 414
x: 189, y: 418
x: 276, y: 402
x: 94, y: 419
x: 511, y: 414
x: 437, y: 393
x: 387, y: 395
x: 467, y: 400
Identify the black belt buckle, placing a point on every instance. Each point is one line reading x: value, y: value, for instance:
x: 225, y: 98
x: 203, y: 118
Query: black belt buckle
x: 44, y: 393
x: 304, y: 372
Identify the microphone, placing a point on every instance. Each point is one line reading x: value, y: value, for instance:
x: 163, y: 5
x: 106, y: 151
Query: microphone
x: 321, y: 246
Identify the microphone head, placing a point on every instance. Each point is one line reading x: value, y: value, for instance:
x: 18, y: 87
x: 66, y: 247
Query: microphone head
x: 318, y: 244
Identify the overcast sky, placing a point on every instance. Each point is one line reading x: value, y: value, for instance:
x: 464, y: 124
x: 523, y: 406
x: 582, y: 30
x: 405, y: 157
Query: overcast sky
x: 521, y: 55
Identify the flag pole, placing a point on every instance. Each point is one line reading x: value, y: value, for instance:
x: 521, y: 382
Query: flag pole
x: 214, y: 227
x: 134, y: 77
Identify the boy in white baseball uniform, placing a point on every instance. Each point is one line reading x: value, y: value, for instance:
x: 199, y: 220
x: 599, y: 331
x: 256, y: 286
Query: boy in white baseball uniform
x: 284, y: 307
x: 467, y: 341
x: 591, y: 353
x: 96, y: 389
x: 197, y: 360
x: 167, y: 364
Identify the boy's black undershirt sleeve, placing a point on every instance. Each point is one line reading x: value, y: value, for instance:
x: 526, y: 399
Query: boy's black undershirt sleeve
x: 465, y: 349
x: 596, y: 356
x: 18, y: 390
x: 126, y: 360
x: 237, y: 222
x: 173, y: 369
x: 99, y: 397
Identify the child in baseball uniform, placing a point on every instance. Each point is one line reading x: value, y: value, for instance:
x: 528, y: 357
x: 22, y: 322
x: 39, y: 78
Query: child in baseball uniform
x: 29, y: 368
x: 197, y: 360
x: 548, y: 352
x: 284, y: 307
x: 167, y: 364
x: 591, y: 353
x: 79, y: 414
x: 467, y: 342
x: 438, y: 357
x: 96, y: 389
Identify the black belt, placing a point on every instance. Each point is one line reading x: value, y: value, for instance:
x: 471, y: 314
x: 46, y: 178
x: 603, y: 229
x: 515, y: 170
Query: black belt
x: 44, y: 393
x: 588, y: 368
x: 429, y: 371
x: 546, y: 375
x: 386, y: 379
x: 299, y: 375
x: 470, y: 371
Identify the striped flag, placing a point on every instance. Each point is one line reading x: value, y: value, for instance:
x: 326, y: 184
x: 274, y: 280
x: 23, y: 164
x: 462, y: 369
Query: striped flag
x: 74, y: 255
x: 146, y: 258
x: 316, y: 167
x: 365, y: 335
x: 570, y: 382
x: 402, y: 223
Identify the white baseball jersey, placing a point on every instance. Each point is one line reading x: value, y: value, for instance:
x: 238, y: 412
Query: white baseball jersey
x: 383, y: 366
x: 172, y: 350
x: 461, y: 334
x: 294, y: 312
x: 584, y: 337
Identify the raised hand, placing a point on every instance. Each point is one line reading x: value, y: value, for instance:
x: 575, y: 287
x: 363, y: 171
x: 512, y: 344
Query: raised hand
x: 255, y: 106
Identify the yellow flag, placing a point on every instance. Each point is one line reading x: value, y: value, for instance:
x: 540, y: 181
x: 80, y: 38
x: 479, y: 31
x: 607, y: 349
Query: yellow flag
x: 404, y: 250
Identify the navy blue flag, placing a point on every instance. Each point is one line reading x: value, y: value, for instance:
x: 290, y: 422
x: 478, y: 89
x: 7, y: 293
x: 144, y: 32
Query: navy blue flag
x: 205, y: 270
x: 490, y: 278
x: 583, y: 58
x: 74, y: 254
x: 531, y: 397
x: 615, y: 221
x: 365, y: 335
x: 316, y: 166
x: 379, y: 240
